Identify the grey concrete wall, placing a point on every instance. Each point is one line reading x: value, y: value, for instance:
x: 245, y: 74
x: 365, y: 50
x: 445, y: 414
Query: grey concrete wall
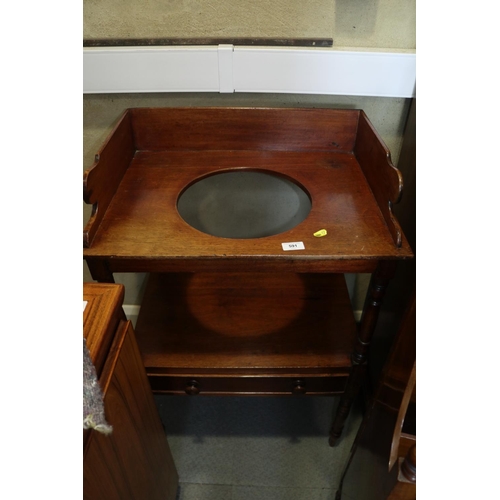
x: 351, y: 23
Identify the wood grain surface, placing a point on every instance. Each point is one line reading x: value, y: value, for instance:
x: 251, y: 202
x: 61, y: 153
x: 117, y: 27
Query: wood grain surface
x: 240, y: 322
x: 332, y: 154
x: 100, y: 319
x: 133, y: 462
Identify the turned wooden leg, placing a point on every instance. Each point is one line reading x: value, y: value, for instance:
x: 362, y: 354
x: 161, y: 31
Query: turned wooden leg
x: 100, y: 271
x: 376, y: 291
x: 409, y: 465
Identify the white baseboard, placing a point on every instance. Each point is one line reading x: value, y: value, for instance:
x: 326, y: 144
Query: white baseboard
x: 229, y: 68
x: 132, y: 312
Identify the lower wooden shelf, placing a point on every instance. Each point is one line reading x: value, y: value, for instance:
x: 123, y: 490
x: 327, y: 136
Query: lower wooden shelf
x: 246, y: 333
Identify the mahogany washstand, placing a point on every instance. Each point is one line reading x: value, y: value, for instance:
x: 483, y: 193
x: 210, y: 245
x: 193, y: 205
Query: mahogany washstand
x: 242, y: 316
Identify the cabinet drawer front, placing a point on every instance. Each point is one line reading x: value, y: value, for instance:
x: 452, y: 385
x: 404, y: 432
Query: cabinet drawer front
x: 247, y: 385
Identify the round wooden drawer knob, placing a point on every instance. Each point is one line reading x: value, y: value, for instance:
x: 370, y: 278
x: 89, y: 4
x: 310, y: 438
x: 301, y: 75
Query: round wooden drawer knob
x: 299, y: 386
x: 193, y: 388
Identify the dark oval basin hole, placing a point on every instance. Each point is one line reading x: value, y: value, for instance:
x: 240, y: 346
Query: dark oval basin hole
x: 244, y: 204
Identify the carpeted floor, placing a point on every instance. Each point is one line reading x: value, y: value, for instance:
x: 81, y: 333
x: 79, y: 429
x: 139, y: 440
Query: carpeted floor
x: 255, y: 448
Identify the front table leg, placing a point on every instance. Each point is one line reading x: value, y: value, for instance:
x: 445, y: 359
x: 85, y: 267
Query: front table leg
x: 376, y: 291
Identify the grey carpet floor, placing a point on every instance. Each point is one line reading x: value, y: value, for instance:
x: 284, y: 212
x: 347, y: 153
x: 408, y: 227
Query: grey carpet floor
x: 255, y: 448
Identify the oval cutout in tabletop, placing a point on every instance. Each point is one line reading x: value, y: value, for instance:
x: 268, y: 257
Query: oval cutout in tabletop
x: 244, y: 204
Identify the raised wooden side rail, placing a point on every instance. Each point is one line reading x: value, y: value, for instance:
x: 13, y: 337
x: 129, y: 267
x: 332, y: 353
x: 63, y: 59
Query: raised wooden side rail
x: 101, y: 181
x: 257, y: 129
x: 385, y: 180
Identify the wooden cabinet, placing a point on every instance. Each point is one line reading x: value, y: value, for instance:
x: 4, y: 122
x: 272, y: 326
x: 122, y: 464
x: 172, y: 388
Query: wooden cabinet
x: 225, y: 315
x: 133, y: 462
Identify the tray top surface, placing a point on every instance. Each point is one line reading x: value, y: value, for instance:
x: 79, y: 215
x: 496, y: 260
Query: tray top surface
x: 142, y: 221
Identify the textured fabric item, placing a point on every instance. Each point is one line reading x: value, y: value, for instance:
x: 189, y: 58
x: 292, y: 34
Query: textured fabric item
x: 93, y: 405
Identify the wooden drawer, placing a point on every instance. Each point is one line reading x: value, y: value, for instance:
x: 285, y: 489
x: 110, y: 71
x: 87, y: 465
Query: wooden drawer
x: 206, y: 385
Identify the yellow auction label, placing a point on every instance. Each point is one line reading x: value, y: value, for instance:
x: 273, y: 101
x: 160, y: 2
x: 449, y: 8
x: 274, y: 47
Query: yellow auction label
x: 320, y: 233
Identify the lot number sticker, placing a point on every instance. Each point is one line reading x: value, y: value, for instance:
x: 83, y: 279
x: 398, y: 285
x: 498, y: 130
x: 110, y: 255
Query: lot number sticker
x: 294, y: 245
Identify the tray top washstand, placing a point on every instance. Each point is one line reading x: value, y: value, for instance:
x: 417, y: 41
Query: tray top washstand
x: 244, y: 315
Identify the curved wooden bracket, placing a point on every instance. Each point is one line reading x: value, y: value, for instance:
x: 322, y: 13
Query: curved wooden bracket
x: 101, y: 180
x: 385, y: 180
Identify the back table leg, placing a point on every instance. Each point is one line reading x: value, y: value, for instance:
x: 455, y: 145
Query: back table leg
x: 376, y: 291
x: 100, y: 271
